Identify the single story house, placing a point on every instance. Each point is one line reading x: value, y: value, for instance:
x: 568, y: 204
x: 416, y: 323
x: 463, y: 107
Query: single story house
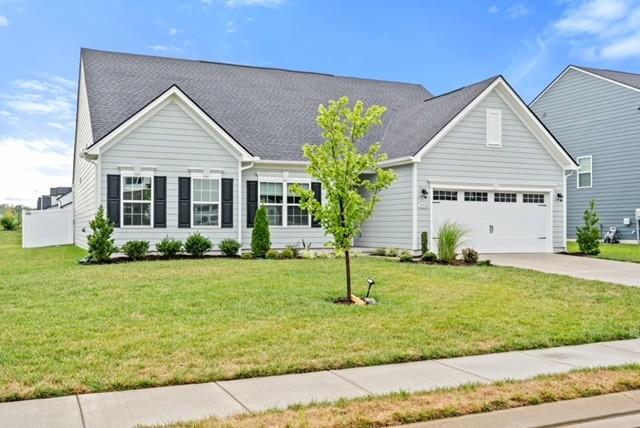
x: 171, y: 146
x: 595, y: 114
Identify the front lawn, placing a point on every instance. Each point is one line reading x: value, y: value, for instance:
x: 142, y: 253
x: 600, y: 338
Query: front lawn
x: 67, y: 328
x: 621, y: 252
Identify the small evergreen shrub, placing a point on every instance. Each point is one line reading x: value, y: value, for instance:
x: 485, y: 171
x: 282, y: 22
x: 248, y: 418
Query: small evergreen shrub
x: 429, y: 257
x: 424, y: 242
x: 379, y: 252
x: 136, y: 250
x: 271, y: 254
x: 588, y: 236
x: 287, y: 253
x: 229, y: 247
x: 406, y: 257
x: 100, y: 243
x: 169, y: 247
x: 248, y: 256
x: 9, y: 221
x: 392, y: 252
x: 197, y: 245
x: 470, y: 256
x: 260, y: 236
x: 450, y: 238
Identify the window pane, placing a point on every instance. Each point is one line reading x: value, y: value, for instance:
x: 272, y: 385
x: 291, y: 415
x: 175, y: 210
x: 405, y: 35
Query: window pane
x: 445, y: 195
x: 296, y: 216
x: 585, y: 164
x: 136, y: 189
x: 206, y: 189
x: 533, y: 198
x: 505, y: 197
x: 475, y: 196
x: 293, y: 198
x: 271, y: 193
x: 205, y: 214
x: 274, y: 215
x: 584, y: 179
x: 136, y: 214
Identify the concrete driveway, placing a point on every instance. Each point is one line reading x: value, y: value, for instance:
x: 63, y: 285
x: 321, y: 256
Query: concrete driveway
x: 623, y: 273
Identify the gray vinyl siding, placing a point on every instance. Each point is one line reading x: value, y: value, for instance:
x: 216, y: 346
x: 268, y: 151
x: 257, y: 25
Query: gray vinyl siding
x: 591, y: 116
x: 173, y: 142
x: 462, y: 157
x: 390, y: 224
x: 84, y: 172
x: 281, y: 236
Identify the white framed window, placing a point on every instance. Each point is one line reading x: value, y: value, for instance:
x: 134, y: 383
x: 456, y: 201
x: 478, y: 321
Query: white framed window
x: 505, y: 197
x: 137, y: 201
x: 533, y: 198
x: 205, y: 201
x: 585, y: 173
x: 445, y: 195
x: 476, y: 196
x: 494, y: 127
x: 283, y: 206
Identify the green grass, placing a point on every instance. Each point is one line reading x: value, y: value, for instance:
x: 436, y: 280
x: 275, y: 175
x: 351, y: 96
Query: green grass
x: 621, y: 252
x: 67, y: 328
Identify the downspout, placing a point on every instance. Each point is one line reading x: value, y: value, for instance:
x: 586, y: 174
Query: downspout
x: 240, y: 170
x: 564, y: 207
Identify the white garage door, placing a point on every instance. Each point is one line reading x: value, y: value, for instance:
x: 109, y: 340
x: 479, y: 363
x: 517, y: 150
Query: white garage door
x: 496, y: 222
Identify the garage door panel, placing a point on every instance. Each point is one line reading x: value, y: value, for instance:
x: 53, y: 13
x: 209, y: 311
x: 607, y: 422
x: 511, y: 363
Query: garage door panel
x: 497, y: 227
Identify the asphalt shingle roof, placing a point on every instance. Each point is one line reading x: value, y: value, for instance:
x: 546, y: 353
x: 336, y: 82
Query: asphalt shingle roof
x: 630, y: 79
x: 270, y: 112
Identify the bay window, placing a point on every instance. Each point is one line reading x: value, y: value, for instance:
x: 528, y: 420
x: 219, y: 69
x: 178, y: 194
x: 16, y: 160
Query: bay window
x: 137, y: 200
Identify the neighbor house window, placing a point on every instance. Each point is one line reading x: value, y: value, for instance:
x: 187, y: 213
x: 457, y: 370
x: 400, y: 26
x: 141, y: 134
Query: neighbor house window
x: 585, y: 172
x: 137, y: 194
x: 271, y: 197
x: 505, y: 197
x: 296, y: 216
x: 205, y: 201
x: 533, y: 198
x: 476, y: 196
x: 445, y: 195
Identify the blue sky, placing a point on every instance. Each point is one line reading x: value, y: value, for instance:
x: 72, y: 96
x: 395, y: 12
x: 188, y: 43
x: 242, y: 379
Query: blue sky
x: 441, y: 45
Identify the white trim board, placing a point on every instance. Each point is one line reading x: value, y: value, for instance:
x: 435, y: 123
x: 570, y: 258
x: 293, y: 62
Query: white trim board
x: 573, y: 67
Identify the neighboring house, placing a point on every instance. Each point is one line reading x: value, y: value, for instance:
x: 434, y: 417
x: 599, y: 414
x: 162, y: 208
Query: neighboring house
x: 595, y: 114
x: 58, y: 197
x: 172, y: 146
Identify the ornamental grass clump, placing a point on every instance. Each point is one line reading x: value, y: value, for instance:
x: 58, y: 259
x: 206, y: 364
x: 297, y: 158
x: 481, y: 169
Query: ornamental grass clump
x: 451, y: 235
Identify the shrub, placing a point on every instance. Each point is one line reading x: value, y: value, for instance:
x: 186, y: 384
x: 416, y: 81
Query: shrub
x: 424, y: 242
x: 271, y: 254
x: 136, y: 250
x: 588, y: 236
x: 392, y: 252
x: 169, y: 247
x: 449, y: 240
x: 229, y: 247
x: 484, y: 263
x: 100, y: 243
x: 470, y: 256
x: 9, y: 221
x: 406, y: 257
x: 308, y: 254
x: 294, y: 249
x: 248, y: 256
x: 260, y: 236
x: 287, y: 253
x: 379, y: 252
x: 197, y: 245
x: 429, y: 257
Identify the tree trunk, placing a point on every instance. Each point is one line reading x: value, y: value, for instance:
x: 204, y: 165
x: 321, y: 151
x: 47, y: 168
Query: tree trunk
x: 347, y: 260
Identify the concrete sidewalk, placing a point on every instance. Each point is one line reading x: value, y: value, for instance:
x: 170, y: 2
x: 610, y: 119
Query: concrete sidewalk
x: 623, y: 273
x: 222, y: 399
x: 621, y: 410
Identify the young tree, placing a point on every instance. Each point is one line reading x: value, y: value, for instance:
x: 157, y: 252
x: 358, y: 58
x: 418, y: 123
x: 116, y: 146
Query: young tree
x: 260, y: 236
x: 351, y: 175
x: 101, y: 245
x: 588, y: 236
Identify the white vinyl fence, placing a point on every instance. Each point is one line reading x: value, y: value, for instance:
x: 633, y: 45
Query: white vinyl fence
x: 46, y: 228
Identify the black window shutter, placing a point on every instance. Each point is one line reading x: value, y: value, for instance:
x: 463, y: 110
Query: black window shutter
x: 252, y: 202
x: 227, y: 202
x: 159, y: 201
x: 317, y: 190
x: 113, y: 199
x: 184, y: 201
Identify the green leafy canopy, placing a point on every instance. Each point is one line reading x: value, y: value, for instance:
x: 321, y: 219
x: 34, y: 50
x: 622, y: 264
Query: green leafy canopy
x: 351, y: 176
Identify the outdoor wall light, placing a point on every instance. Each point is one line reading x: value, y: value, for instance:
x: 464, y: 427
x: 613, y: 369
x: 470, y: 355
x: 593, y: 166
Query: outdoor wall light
x: 559, y: 197
x: 371, y: 282
x: 425, y: 193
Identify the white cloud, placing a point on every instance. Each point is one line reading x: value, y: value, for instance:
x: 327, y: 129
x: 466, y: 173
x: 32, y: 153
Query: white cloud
x: 41, y: 97
x: 231, y: 27
x: 56, y: 125
x: 517, y: 10
x: 625, y: 47
x: 592, y: 16
x: 165, y: 48
x: 32, y: 166
x: 173, y: 31
x: 263, y: 3
x: 493, y: 9
x: 4, y: 21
